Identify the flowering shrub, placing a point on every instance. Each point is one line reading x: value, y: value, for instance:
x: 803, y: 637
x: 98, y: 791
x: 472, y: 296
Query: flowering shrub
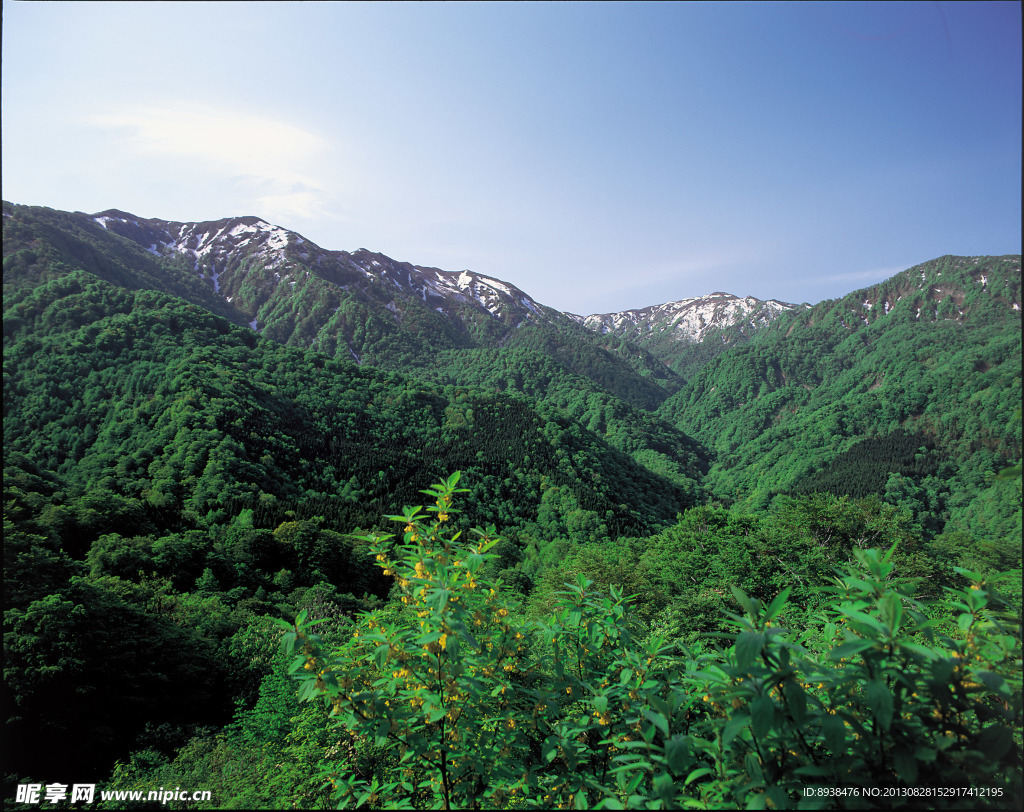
x: 868, y: 707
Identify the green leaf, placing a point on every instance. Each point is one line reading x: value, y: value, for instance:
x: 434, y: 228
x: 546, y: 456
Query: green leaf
x: 994, y: 682
x: 813, y: 771
x: 834, y: 732
x: 919, y: 650
x: 742, y: 599
x: 698, y: 773
x: 864, y: 623
x: 850, y: 647
x: 678, y: 753
x: 748, y: 647
x: 780, y: 799
x: 659, y: 720
x: 733, y: 727
x: 762, y: 715
x: 879, y: 702
x: 905, y: 764
x: 777, y: 604
x: 663, y: 786
x: 796, y: 699
x: 995, y: 742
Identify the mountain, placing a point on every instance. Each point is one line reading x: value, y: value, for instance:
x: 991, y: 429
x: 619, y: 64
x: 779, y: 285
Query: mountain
x: 687, y: 333
x: 173, y: 473
x: 907, y: 389
x: 760, y: 378
x: 361, y: 306
x: 693, y: 319
x: 202, y: 422
x: 104, y: 283
x: 226, y: 251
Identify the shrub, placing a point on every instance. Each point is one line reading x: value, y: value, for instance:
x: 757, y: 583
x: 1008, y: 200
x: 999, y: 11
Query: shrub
x: 865, y: 707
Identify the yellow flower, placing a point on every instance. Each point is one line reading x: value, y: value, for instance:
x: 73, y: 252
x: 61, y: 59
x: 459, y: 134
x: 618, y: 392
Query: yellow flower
x: 421, y: 571
x: 443, y: 641
x: 442, y: 517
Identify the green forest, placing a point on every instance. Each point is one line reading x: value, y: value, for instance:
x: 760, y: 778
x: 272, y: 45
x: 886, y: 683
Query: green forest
x: 379, y: 555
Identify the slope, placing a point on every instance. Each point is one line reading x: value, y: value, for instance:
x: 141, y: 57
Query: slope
x: 688, y: 333
x: 933, y: 353
x: 359, y: 306
x: 145, y: 395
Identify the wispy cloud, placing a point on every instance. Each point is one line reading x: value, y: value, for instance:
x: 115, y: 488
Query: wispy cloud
x: 874, y: 275
x: 271, y: 160
x: 702, y: 266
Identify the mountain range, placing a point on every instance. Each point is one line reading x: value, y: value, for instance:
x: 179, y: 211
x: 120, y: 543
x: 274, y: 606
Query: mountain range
x: 693, y: 372
x: 202, y: 419
x: 224, y: 250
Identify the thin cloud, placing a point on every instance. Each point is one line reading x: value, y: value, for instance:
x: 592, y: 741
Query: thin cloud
x: 270, y: 159
x: 878, y: 274
x: 706, y: 266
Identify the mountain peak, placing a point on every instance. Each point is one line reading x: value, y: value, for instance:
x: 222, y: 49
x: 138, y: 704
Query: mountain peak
x: 690, y: 319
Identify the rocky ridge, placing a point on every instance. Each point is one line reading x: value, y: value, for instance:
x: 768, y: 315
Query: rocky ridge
x: 220, y: 250
x: 691, y: 319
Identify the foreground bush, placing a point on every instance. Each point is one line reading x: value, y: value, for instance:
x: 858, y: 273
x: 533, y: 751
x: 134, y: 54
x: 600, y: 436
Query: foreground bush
x: 865, y: 707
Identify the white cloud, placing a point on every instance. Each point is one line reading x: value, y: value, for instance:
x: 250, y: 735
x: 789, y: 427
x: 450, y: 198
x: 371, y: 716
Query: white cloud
x: 706, y: 266
x: 876, y: 275
x: 273, y: 161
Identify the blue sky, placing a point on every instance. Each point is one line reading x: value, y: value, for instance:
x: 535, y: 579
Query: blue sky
x: 599, y: 156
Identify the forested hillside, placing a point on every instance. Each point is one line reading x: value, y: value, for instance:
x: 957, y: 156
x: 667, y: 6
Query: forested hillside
x: 198, y: 452
x: 358, y: 306
x: 907, y: 390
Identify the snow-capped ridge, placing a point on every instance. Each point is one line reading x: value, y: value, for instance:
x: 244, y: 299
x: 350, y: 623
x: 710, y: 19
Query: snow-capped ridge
x: 692, y: 318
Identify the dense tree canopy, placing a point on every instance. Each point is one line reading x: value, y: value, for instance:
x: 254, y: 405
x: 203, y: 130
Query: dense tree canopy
x: 179, y: 487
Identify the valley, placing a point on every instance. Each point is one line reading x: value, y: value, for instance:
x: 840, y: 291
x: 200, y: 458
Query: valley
x: 210, y: 427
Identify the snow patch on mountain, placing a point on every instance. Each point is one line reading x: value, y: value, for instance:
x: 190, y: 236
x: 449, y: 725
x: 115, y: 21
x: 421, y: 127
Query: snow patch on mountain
x: 689, y: 319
